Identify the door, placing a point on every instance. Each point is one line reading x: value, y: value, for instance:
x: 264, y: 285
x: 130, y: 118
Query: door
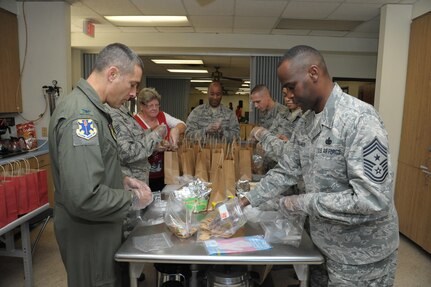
x: 413, y: 185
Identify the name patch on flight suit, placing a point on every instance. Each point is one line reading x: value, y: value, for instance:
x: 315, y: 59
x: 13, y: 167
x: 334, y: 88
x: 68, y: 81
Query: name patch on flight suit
x: 375, y: 156
x: 84, y: 132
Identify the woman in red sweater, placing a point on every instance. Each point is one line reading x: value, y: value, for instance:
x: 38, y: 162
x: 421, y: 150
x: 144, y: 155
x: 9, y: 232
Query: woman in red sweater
x: 149, y: 117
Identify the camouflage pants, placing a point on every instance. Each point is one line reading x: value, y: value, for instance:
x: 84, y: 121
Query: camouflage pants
x: 334, y: 274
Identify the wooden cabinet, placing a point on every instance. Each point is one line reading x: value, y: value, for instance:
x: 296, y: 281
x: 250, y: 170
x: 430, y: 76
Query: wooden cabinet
x: 413, y: 185
x: 10, y: 84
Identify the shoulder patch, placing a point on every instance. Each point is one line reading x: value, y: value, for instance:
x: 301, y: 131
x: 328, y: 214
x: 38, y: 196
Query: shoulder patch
x: 85, y: 132
x: 375, y: 157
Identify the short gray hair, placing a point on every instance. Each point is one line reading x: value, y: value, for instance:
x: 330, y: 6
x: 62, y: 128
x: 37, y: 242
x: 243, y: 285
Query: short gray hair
x: 146, y: 95
x: 118, y: 55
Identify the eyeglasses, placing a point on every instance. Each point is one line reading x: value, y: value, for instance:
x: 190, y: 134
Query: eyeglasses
x: 156, y: 106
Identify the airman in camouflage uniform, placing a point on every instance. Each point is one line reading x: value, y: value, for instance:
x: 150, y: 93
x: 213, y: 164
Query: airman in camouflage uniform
x: 340, y: 148
x: 268, y: 109
x: 213, y: 119
x: 135, y: 144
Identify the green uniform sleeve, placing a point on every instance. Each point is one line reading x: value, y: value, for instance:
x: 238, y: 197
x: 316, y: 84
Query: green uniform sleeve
x: 84, y: 173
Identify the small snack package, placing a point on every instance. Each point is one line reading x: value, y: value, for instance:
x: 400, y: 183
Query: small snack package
x: 27, y: 131
x: 223, y: 221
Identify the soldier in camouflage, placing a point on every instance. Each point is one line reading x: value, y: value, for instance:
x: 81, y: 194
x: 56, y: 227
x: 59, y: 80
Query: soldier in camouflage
x: 340, y: 149
x: 268, y: 109
x: 135, y: 144
x: 213, y: 119
x: 282, y: 127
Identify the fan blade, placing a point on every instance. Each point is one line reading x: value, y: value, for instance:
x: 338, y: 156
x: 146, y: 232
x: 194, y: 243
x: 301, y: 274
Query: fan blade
x: 232, y: 79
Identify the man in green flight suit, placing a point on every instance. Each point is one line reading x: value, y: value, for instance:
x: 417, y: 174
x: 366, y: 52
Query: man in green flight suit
x: 92, y: 197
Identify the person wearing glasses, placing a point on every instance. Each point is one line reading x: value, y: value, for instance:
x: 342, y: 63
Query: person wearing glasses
x: 213, y: 119
x: 151, y: 117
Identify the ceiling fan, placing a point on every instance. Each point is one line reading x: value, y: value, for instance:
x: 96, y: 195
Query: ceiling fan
x: 218, y: 76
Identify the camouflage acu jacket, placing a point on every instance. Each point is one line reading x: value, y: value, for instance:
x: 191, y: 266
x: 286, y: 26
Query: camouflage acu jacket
x: 346, y: 168
x: 135, y: 144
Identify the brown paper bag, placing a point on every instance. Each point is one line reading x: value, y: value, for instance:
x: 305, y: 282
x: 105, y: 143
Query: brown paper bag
x: 229, y: 172
x: 235, y: 150
x: 245, y: 162
x: 218, y: 192
x: 172, y: 167
x: 188, y: 161
x: 202, y: 164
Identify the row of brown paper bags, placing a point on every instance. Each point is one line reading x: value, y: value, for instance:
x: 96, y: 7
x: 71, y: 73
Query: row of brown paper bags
x: 220, y: 164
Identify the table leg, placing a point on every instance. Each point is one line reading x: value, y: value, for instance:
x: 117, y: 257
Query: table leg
x: 26, y: 254
x: 194, y: 278
x: 302, y: 271
x: 135, y: 271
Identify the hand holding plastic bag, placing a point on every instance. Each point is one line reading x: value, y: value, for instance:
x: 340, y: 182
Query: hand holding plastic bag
x: 141, y: 193
x: 223, y: 221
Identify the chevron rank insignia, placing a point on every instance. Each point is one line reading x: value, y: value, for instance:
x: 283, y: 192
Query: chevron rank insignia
x: 375, y: 156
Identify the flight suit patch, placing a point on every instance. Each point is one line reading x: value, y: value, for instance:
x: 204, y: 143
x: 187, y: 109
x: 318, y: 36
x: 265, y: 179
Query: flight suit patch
x: 84, y: 132
x: 375, y: 156
x: 86, y: 112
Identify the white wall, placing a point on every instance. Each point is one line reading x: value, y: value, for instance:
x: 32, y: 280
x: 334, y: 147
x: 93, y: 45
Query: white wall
x: 44, y: 32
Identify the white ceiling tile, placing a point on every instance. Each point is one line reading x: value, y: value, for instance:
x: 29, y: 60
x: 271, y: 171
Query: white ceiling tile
x: 327, y: 33
x: 216, y: 30
x: 259, y: 8
x: 254, y: 22
x: 175, y: 29
x: 372, y: 26
x: 363, y: 12
x: 211, y: 21
x: 138, y: 29
x: 290, y: 32
x: 362, y: 35
x: 157, y: 7
x: 373, y: 1
x: 309, y: 10
x: 100, y: 28
x: 112, y: 7
x: 251, y: 31
x: 216, y: 7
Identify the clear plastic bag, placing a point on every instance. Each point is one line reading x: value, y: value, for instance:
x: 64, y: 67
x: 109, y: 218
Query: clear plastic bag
x: 285, y: 230
x: 179, y: 219
x: 223, y: 221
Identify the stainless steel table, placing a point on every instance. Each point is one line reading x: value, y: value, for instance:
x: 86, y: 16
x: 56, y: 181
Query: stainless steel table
x: 25, y: 252
x: 189, y: 251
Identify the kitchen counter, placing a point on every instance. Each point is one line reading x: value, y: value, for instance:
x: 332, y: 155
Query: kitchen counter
x: 42, y: 149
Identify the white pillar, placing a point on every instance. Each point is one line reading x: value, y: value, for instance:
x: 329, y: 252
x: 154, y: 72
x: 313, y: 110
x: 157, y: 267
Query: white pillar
x: 392, y: 60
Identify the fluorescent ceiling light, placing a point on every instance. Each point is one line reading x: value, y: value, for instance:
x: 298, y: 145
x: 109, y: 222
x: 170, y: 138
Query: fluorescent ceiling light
x: 245, y: 85
x: 201, y: 81
x: 174, y: 61
x: 133, y: 21
x: 246, y: 82
x: 201, y: 88
x: 188, y: 71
